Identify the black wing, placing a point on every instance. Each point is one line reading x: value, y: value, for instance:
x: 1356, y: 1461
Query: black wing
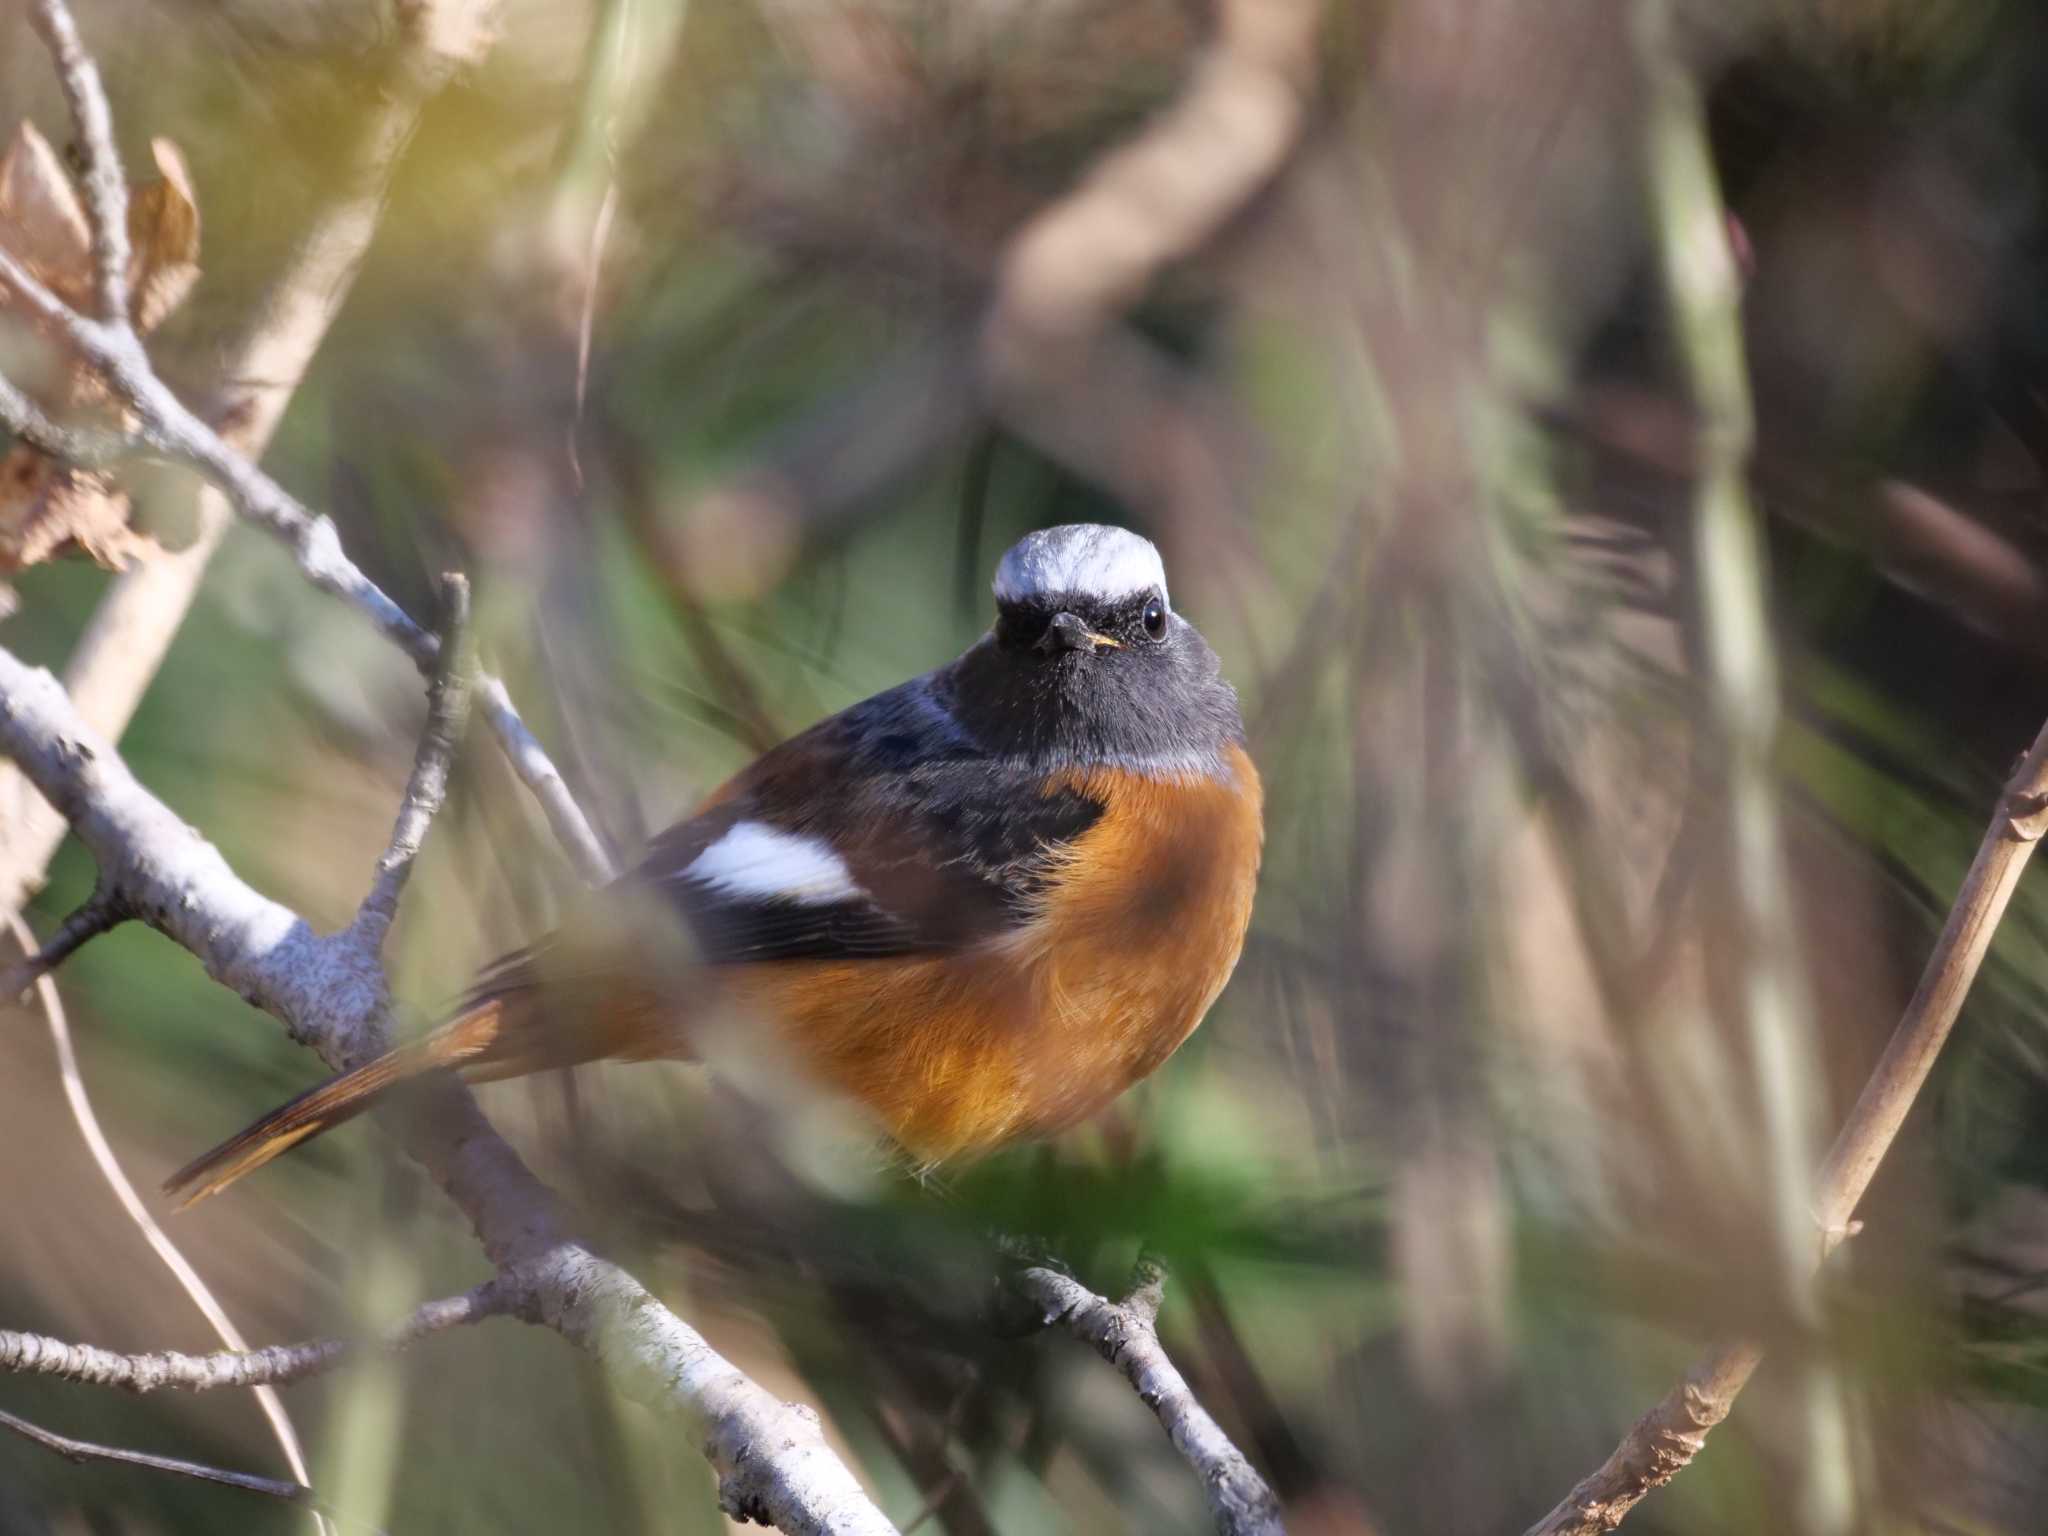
x: 882, y: 831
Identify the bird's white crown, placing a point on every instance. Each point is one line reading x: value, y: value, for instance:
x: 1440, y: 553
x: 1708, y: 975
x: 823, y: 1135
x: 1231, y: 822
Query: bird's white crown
x: 1091, y: 558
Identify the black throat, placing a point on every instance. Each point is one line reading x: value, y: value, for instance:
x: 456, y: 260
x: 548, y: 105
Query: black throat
x: 1160, y: 707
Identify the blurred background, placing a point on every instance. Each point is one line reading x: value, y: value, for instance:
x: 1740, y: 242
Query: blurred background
x: 1632, y: 679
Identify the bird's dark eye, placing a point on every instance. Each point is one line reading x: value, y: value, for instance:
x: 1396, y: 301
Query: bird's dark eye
x: 1154, y: 619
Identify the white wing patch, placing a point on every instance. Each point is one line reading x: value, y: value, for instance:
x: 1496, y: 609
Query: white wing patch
x: 756, y: 860
x: 1090, y: 558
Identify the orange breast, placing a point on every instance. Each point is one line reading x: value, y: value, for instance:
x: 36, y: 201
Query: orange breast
x: 1137, y: 932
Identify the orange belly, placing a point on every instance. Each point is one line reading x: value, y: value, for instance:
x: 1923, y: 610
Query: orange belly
x: 1140, y: 927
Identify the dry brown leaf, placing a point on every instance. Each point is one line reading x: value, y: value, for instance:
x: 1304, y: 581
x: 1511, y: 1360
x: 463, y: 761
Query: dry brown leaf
x: 41, y: 219
x: 163, y: 235
x: 48, y: 507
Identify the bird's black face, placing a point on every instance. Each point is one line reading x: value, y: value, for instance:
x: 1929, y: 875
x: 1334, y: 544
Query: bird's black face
x: 1073, y: 677
x: 1068, y: 626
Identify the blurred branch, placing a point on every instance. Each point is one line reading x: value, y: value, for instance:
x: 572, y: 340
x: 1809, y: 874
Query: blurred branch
x: 544, y: 781
x: 427, y: 788
x: 331, y: 994
x: 32, y: 1354
x: 1945, y: 546
x: 82, y: 1451
x: 1126, y: 1334
x: 1768, y: 999
x: 1664, y: 1441
x: 742, y: 532
x: 145, y: 606
x: 733, y: 687
x: 1157, y: 199
x: 87, y: 447
x: 1052, y: 360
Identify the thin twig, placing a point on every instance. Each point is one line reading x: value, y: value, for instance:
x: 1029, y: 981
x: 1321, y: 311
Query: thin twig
x: 34, y: 1354
x: 1664, y: 1441
x: 109, y: 1165
x: 166, y: 428
x: 427, y: 788
x: 956, y: 1474
x: 86, y: 447
x: 1126, y: 1334
x: 106, y: 187
x: 99, y: 913
x: 29, y: 290
x: 259, y: 367
x: 169, y: 431
x: 544, y: 781
x: 1769, y: 992
x: 82, y: 1451
x: 771, y: 1457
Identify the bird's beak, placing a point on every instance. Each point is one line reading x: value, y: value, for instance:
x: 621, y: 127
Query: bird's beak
x: 1068, y: 633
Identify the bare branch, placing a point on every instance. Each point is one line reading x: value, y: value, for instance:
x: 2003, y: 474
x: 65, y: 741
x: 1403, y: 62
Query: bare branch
x: 427, y: 788
x: 167, y: 429
x: 99, y: 913
x: 1664, y: 1441
x: 771, y: 1457
x: 773, y: 1463
x: 106, y: 187
x: 1741, y: 694
x: 1052, y: 361
x: 544, y: 781
x: 87, y: 447
x: 82, y: 1451
x: 177, y: 434
x: 278, y: 1365
x: 116, y: 1177
x: 1162, y: 195
x: 259, y: 367
x: 37, y: 298
x: 1126, y: 1334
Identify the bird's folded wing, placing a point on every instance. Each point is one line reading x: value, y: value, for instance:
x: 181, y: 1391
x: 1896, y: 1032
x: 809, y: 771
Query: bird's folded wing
x: 881, y: 831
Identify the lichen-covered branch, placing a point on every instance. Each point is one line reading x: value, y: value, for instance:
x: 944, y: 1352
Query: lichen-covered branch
x: 330, y: 993
x: 1126, y: 1334
x: 437, y: 37
x: 33, y: 1354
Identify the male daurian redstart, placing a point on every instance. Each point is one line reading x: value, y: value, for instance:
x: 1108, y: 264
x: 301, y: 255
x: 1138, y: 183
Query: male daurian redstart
x: 981, y: 905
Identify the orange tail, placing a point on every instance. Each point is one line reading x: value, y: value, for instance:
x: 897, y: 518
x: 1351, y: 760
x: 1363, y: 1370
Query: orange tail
x: 471, y: 1038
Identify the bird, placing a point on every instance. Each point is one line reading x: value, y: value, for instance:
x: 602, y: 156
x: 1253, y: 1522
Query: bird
x: 978, y: 906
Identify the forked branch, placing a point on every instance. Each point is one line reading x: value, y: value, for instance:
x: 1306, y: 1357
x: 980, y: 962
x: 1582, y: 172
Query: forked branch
x: 166, y: 429
x: 1126, y: 1334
